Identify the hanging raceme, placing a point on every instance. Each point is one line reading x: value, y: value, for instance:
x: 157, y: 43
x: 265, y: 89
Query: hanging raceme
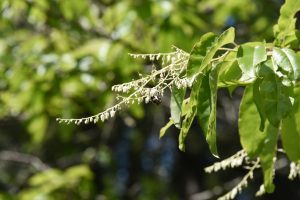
x: 170, y: 74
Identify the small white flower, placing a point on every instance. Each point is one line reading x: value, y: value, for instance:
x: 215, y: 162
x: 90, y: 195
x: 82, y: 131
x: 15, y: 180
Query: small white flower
x: 147, y: 99
x: 294, y: 170
x: 112, y: 113
x: 168, y: 58
x: 96, y: 119
x: 261, y: 191
x: 153, y: 92
x: 119, y: 89
x: 102, y: 117
x: 233, y: 193
x: 124, y: 89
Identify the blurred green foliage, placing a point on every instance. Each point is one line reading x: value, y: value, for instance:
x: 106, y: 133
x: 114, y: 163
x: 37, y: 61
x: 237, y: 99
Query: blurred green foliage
x: 60, y: 58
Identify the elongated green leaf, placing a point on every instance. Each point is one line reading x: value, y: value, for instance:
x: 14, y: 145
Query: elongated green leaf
x: 268, y: 91
x: 290, y: 133
x: 191, y: 109
x: 198, y: 54
x: 207, y: 108
x: 203, y: 52
x: 176, y: 101
x: 204, y: 105
x: 259, y: 102
x: 257, y: 143
x: 230, y: 72
x: 211, y: 135
x: 163, y: 130
x: 267, y: 154
x: 284, y: 30
x: 185, y: 107
x: 249, y: 57
x: 288, y: 61
x: 227, y: 37
x: 249, y: 124
x: 276, y: 96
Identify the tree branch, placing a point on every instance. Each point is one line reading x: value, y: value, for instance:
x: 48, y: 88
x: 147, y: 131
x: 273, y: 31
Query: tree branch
x: 23, y: 158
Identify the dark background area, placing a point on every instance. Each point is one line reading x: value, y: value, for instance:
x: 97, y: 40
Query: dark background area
x: 60, y: 59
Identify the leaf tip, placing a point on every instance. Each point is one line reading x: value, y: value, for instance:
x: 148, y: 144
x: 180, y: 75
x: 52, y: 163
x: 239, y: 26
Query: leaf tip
x: 182, y: 147
x: 270, y: 188
x: 216, y: 155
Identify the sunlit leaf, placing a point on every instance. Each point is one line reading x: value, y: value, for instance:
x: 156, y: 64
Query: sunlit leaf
x: 198, y: 54
x: 204, y: 51
x: 176, y: 101
x: 230, y: 72
x: 207, y: 108
x: 284, y: 30
x: 257, y: 143
x: 41, y: 178
x: 276, y: 96
x: 248, y: 58
x: 287, y: 60
x: 267, y: 154
x: 249, y: 124
x: 290, y: 130
x: 163, y: 130
x: 37, y: 128
x: 259, y: 102
x: 191, y: 113
x: 78, y: 172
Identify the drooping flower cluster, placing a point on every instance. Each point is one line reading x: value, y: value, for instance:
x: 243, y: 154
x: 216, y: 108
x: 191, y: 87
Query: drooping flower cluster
x: 149, y: 88
x: 239, y: 159
x: 234, y: 161
x: 242, y: 184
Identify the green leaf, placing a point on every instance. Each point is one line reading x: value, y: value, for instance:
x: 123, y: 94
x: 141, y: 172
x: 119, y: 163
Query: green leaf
x: 276, y: 96
x: 267, y: 154
x: 203, y: 52
x: 37, y: 128
x: 288, y: 61
x: 176, y: 101
x: 198, y: 53
x: 259, y: 102
x: 249, y: 57
x: 284, y: 30
x: 45, y: 177
x: 230, y: 72
x: 191, y: 111
x: 249, y: 124
x: 207, y: 108
x: 185, y: 107
x: 163, y: 130
x: 290, y: 130
x: 257, y: 143
x: 78, y: 172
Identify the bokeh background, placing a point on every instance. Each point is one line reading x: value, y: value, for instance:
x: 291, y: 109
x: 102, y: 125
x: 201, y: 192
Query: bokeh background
x: 59, y: 58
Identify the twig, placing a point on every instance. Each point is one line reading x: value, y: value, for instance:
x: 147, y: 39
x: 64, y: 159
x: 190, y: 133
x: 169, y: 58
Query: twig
x: 23, y: 158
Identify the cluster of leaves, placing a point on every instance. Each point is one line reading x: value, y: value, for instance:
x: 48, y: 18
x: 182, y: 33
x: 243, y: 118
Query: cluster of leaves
x: 271, y: 100
x: 270, y: 105
x: 67, y: 181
